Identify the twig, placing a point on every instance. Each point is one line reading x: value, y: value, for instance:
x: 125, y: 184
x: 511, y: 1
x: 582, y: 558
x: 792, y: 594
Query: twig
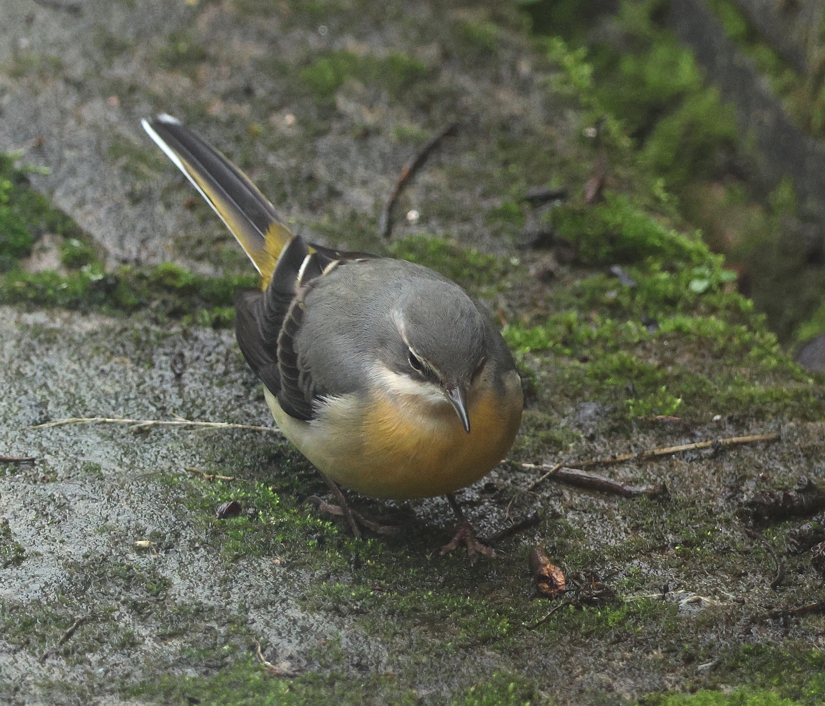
x: 547, y: 617
x: 140, y: 424
x: 526, y: 523
x: 577, y: 477
x: 215, y: 476
x: 407, y: 173
x: 66, y: 635
x: 591, y: 481
x: 17, y: 459
x: 780, y: 567
x: 268, y: 665
x: 808, y: 609
x: 532, y: 485
x: 538, y: 481
x: 271, y: 668
x: 670, y: 450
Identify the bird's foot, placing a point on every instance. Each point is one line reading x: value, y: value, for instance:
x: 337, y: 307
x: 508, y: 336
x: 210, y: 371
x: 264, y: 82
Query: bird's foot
x: 465, y: 534
x: 354, y: 518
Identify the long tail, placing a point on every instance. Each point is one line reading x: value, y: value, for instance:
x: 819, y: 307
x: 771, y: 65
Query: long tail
x: 246, y: 212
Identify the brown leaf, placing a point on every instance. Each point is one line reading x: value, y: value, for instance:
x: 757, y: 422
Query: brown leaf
x: 549, y: 578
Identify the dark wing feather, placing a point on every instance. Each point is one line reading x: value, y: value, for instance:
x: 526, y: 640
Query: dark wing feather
x: 297, y: 391
x: 249, y: 312
x: 267, y: 323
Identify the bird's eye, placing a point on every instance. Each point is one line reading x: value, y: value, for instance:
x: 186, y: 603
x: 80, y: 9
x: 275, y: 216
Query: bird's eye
x: 415, y: 362
x: 479, y: 368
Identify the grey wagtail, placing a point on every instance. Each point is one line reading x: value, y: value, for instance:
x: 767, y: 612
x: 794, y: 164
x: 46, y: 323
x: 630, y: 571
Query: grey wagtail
x: 383, y: 373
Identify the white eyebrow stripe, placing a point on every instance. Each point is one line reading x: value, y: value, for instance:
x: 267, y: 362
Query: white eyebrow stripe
x: 402, y: 330
x: 403, y: 386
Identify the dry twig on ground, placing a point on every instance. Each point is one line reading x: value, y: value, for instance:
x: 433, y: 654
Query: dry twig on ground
x: 591, y: 481
x: 66, y: 635
x: 141, y: 424
x: 670, y: 450
x: 407, y: 173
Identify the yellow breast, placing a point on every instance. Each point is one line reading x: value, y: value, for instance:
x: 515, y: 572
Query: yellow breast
x: 401, y: 447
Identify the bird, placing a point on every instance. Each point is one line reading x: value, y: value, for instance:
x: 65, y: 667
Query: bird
x: 384, y: 374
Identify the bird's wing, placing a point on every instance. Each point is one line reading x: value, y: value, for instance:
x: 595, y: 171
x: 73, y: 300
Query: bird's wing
x: 266, y: 324
x: 245, y: 210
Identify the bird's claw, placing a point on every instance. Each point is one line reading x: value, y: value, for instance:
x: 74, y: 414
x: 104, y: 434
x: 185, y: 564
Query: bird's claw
x: 355, y: 519
x: 465, y: 534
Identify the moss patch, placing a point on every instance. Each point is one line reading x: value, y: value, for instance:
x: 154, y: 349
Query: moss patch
x: 11, y: 553
x: 26, y: 215
x: 478, y: 272
x: 393, y: 73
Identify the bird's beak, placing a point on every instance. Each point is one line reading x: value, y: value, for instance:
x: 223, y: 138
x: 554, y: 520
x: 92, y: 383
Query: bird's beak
x: 458, y: 399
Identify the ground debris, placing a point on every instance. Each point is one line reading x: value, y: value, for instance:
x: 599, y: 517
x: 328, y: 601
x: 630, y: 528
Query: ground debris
x: 772, y: 506
x: 807, y: 609
x: 538, y: 196
x: 591, y: 481
x: 588, y: 589
x: 779, y: 575
x: 801, y: 539
x: 18, y: 459
x: 818, y: 557
x: 549, y: 578
x: 624, y: 279
x: 65, y: 637
x: 671, y: 450
x: 231, y: 508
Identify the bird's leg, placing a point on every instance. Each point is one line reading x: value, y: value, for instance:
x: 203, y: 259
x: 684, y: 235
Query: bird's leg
x: 354, y: 519
x: 465, y: 534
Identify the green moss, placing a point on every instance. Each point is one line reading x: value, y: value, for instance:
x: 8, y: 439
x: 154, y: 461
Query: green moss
x: 26, y: 215
x: 182, y: 52
x: 15, y: 239
x: 171, y: 291
x: 406, y: 133
x: 269, y: 520
x: 793, y: 671
x: 75, y: 254
x: 172, y: 276
x: 718, y: 698
x: 40, y: 66
x: 468, y: 267
x: 803, y: 95
x: 394, y: 72
x: 247, y: 683
x: 481, y: 34
x: 509, y: 213
x: 618, y: 230
x: 502, y: 689
x: 11, y: 553
x: 686, y: 144
x: 618, y: 343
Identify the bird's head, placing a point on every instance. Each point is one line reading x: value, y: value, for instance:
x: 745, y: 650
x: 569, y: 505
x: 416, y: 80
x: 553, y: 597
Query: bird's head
x: 440, y: 346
